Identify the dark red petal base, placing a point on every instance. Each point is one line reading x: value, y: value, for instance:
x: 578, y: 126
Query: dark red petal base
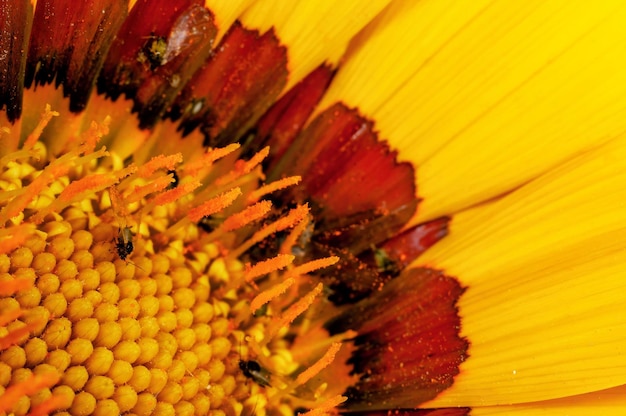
x: 359, y: 194
x: 69, y: 44
x: 282, y: 123
x: 235, y: 87
x: 409, y: 346
x: 15, y: 25
x: 155, y: 53
x: 402, y: 249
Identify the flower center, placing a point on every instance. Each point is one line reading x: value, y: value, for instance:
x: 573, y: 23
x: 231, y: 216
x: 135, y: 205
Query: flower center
x: 128, y: 286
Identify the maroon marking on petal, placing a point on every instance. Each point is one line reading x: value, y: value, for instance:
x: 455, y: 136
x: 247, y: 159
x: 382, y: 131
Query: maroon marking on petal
x: 15, y: 25
x: 235, y: 87
x: 285, y: 119
x: 359, y: 194
x: 409, y: 346
x: 450, y: 411
x: 408, y: 245
x: 157, y: 50
x: 70, y: 41
x: 347, y: 171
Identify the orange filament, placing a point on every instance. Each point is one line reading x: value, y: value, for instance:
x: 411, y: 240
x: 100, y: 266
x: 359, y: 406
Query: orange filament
x: 274, y: 186
x: 267, y: 266
x: 116, y: 201
x: 152, y: 187
x: 14, y: 237
x: 30, y: 192
x: 11, y: 287
x: 51, y: 404
x: 243, y: 167
x: 92, y: 136
x: 313, y: 265
x: 292, y: 239
x: 270, y: 294
x: 76, y: 191
x: 326, y: 406
x: 159, y: 162
x: 12, y: 315
x: 247, y: 216
x: 294, y: 311
x: 214, y: 205
x: 176, y: 193
x: 294, y: 217
x: 192, y: 168
x: 17, y: 335
x: 46, y: 116
x: 25, y: 388
x: 322, y: 363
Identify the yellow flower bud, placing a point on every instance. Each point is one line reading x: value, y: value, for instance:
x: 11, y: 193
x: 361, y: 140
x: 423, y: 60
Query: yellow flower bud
x: 120, y: 372
x: 83, y: 405
x: 79, y: 349
x: 100, y: 387
x: 75, y: 377
x: 125, y: 397
x: 58, y: 333
x: 100, y: 361
x: 61, y: 247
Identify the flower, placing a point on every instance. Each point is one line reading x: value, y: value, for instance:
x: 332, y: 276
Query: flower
x: 201, y: 212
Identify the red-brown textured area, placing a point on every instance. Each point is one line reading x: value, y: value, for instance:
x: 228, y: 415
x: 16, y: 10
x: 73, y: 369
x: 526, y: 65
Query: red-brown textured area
x: 281, y: 124
x: 15, y: 25
x: 408, y: 245
x: 457, y: 411
x: 233, y: 89
x: 359, y: 194
x: 70, y: 43
x: 409, y: 346
x: 156, y: 52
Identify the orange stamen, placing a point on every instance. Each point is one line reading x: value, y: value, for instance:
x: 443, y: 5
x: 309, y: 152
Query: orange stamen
x: 30, y: 192
x: 322, y: 363
x: 26, y: 388
x: 313, y: 265
x: 214, y: 205
x: 248, y: 215
x: 267, y: 266
x: 159, y: 162
x: 243, y: 167
x: 51, y: 404
x: 116, y: 201
x: 267, y: 295
x: 154, y: 186
x: 294, y: 311
x: 17, y: 335
x: 274, y: 186
x: 46, y: 116
x: 292, y: 238
x: 92, y: 136
x: 10, y: 287
x: 176, y: 193
x: 192, y: 168
x: 328, y: 406
x: 14, y: 237
x: 88, y: 184
x: 294, y: 217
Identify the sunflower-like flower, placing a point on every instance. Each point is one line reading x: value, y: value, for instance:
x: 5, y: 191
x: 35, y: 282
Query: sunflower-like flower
x: 275, y: 207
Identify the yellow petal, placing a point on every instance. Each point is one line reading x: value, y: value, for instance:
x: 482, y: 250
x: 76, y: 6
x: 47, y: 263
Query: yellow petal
x: 314, y: 32
x: 226, y: 12
x: 545, y: 268
x: 484, y: 96
x: 606, y: 403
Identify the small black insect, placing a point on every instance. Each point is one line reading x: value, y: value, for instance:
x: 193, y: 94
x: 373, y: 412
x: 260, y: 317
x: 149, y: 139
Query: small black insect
x: 124, y: 243
x: 253, y: 370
